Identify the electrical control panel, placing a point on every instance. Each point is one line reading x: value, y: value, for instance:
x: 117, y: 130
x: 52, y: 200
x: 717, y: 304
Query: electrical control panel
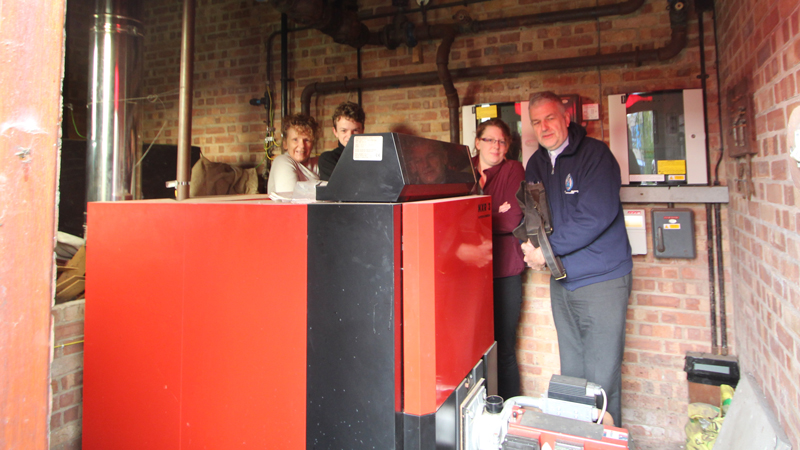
x: 659, y: 137
x: 673, y: 233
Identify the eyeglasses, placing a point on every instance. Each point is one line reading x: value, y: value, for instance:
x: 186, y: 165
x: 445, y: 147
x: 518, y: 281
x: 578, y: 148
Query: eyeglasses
x: 494, y: 141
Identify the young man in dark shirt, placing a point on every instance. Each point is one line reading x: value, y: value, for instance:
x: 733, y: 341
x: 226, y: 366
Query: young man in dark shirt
x: 348, y: 119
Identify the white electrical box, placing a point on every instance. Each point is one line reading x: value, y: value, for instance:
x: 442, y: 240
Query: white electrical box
x: 637, y: 230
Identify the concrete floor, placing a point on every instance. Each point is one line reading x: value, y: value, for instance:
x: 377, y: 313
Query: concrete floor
x: 654, y: 444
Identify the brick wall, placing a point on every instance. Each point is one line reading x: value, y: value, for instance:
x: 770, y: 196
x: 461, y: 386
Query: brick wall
x: 761, y: 42
x: 66, y: 376
x: 669, y: 306
x: 667, y: 317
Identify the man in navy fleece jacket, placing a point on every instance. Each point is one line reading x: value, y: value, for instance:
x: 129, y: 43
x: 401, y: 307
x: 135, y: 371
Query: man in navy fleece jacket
x: 582, y: 182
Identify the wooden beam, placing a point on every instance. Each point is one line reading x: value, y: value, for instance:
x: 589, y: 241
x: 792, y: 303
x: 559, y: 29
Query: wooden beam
x: 32, y: 37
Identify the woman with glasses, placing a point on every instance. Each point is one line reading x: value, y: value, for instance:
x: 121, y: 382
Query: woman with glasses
x: 501, y: 179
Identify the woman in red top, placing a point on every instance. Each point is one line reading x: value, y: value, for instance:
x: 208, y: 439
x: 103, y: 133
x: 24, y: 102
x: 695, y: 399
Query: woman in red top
x: 501, y: 179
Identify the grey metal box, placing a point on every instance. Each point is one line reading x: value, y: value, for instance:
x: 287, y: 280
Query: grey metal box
x: 673, y: 233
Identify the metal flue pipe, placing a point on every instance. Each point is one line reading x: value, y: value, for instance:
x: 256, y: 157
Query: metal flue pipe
x: 113, y: 143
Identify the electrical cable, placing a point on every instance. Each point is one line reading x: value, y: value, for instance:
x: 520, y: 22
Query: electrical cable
x: 74, y: 125
x: 152, y: 99
x: 269, y: 138
x: 269, y: 135
x: 605, y: 405
x: 68, y: 343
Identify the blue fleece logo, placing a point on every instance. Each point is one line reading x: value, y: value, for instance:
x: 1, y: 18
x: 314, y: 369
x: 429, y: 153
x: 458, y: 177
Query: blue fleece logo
x: 568, y: 184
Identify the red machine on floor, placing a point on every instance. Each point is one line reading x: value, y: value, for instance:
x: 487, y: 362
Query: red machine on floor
x: 529, y: 427
x: 244, y: 323
x: 362, y: 322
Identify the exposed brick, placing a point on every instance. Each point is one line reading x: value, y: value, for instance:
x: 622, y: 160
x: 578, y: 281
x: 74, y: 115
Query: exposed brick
x: 775, y: 120
x: 232, y: 51
x: 68, y: 331
x: 660, y: 301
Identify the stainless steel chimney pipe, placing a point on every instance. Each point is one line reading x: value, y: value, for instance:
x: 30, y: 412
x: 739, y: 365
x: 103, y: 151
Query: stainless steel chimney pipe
x: 115, y: 108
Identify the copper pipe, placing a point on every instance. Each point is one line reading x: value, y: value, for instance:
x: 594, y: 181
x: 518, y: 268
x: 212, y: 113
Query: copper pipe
x: 185, y: 101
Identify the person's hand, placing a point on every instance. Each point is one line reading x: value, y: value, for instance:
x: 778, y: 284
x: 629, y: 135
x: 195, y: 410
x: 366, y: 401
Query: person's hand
x: 504, y: 207
x: 533, y: 256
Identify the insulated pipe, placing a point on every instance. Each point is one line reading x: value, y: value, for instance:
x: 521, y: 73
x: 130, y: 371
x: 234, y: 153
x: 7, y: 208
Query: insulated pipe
x: 342, y: 25
x: 393, y: 35
x: 369, y: 16
x: 447, y: 34
x: 345, y: 27
x: 593, y: 12
x: 671, y: 49
x: 310, y: 12
x: 113, y: 143
x: 185, y: 101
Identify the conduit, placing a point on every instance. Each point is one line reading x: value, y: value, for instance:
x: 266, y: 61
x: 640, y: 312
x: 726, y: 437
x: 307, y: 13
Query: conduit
x: 710, y: 247
x: 715, y: 238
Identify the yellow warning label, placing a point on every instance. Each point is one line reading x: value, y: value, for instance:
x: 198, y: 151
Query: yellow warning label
x: 671, y: 167
x: 672, y: 226
x: 486, y: 112
x: 676, y: 178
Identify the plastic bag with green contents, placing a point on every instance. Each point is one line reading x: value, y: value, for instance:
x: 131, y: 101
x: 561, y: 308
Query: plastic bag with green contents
x: 703, y: 426
x: 705, y: 421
